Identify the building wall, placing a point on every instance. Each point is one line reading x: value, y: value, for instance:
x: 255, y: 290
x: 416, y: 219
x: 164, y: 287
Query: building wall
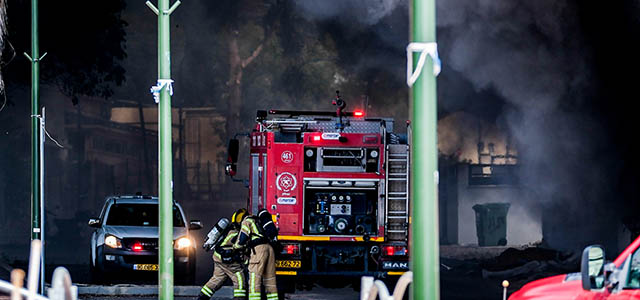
x: 524, y: 225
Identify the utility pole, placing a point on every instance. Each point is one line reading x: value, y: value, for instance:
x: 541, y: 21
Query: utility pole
x: 424, y: 171
x: 35, y: 124
x: 41, y: 131
x: 162, y: 93
x: 36, y: 226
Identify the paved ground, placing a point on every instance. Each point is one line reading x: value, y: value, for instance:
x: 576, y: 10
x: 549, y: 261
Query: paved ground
x: 461, y: 278
x: 148, y: 292
x: 316, y: 294
x: 125, y: 291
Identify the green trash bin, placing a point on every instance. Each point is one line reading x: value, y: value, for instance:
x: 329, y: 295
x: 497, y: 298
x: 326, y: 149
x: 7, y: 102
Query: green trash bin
x: 491, y: 223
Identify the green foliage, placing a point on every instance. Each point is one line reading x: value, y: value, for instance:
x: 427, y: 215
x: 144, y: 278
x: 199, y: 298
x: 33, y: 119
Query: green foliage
x: 84, y: 41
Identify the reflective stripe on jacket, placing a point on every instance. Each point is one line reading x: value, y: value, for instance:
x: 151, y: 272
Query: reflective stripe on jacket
x: 227, y: 243
x: 248, y: 231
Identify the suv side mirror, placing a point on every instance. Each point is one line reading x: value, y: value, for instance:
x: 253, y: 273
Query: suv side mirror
x: 591, y: 267
x: 195, y: 225
x: 93, y: 222
x: 232, y: 157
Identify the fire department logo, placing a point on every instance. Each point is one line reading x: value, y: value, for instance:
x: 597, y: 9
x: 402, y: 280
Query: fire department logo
x: 287, y: 157
x: 286, y: 182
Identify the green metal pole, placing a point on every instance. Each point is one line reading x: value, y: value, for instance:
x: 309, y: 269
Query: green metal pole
x: 165, y: 182
x: 35, y: 124
x: 425, y: 252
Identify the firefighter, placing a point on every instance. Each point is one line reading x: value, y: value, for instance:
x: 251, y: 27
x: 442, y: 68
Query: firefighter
x: 227, y: 263
x: 262, y: 261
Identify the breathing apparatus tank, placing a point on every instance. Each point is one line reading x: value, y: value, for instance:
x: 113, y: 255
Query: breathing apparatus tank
x: 216, y: 234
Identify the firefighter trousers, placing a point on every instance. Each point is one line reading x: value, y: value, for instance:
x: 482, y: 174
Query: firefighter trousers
x: 220, y: 273
x: 262, y: 272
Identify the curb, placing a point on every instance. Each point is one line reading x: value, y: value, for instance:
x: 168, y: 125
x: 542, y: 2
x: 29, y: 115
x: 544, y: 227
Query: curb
x: 145, y: 290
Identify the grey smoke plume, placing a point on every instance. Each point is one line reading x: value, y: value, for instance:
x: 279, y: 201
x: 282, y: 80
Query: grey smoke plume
x: 532, y: 54
x: 368, y: 12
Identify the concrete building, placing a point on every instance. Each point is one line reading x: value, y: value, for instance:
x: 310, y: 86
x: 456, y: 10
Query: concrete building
x: 478, y: 165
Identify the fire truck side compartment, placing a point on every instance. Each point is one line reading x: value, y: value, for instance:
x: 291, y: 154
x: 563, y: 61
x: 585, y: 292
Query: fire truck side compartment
x: 340, y: 211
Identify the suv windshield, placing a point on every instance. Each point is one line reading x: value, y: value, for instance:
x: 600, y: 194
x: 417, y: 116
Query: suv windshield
x: 128, y: 214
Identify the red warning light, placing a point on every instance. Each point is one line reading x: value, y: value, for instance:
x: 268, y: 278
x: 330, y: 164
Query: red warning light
x: 292, y: 249
x: 137, y: 247
x: 358, y: 114
x: 390, y: 250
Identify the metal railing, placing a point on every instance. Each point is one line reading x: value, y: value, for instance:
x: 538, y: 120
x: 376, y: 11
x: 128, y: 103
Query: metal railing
x: 61, y: 286
x: 371, y: 290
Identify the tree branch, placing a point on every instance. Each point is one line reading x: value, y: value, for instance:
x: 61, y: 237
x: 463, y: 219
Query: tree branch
x: 253, y: 56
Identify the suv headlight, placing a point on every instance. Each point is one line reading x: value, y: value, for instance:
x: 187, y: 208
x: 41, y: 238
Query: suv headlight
x: 112, y: 241
x: 182, y: 243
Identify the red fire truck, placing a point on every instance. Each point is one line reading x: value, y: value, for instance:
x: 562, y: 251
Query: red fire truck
x: 337, y: 185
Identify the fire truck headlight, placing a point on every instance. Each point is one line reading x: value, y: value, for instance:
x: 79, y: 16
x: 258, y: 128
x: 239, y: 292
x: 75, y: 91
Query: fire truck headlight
x: 182, y: 243
x: 374, y: 153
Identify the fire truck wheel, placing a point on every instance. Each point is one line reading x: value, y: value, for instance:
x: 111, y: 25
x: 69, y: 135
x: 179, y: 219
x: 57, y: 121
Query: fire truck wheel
x: 355, y: 285
x: 281, y: 295
x: 332, y: 283
x: 287, y: 286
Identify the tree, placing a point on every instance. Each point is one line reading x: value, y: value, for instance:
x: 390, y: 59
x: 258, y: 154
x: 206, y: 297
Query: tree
x: 84, y: 41
x: 246, y: 26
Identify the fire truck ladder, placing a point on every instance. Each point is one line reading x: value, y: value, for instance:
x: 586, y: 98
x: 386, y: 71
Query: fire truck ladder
x: 397, y: 217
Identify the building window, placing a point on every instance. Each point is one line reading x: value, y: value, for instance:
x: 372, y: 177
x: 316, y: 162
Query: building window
x: 491, y: 175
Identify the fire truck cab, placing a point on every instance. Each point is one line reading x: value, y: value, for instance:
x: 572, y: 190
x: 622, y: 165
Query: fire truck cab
x: 337, y: 185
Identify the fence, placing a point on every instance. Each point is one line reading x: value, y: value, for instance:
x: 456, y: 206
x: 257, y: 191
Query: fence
x: 371, y: 289
x: 61, y: 286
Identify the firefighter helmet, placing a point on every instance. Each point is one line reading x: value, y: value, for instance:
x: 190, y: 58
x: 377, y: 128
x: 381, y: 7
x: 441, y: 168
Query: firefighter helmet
x: 239, y: 215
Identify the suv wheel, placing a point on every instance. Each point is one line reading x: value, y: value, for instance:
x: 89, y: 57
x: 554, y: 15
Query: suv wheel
x: 95, y: 276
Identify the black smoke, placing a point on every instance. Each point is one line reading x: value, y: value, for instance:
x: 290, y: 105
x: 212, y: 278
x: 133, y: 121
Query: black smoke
x: 550, y: 64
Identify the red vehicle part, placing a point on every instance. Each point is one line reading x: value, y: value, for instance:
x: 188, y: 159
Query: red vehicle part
x: 622, y: 283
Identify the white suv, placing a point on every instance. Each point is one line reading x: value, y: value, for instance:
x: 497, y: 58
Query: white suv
x: 126, y: 240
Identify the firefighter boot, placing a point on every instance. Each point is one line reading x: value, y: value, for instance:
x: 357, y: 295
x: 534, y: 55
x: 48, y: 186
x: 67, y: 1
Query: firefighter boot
x: 214, y: 283
x: 203, y: 296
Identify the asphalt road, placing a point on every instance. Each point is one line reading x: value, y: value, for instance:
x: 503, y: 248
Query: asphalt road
x: 125, y: 292
x: 315, y: 294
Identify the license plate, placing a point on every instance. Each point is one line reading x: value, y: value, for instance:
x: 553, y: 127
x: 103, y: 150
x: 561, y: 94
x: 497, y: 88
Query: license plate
x: 146, y: 267
x: 288, y: 264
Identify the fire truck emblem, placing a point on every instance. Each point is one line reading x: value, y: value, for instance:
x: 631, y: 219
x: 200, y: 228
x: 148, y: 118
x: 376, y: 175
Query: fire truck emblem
x: 286, y: 182
x: 287, y: 157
